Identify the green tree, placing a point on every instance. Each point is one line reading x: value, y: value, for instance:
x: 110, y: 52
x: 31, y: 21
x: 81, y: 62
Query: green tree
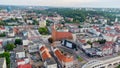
x: 88, y: 42
x: 9, y: 47
x: 43, y: 30
x: 2, y: 35
x: 48, y: 21
x: 102, y: 41
x: 18, y: 41
x: 2, y: 23
x: 7, y: 57
x: 118, y: 66
x: 79, y: 26
x: 35, y: 22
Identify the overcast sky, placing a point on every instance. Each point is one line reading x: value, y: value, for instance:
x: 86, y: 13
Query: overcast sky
x: 65, y: 3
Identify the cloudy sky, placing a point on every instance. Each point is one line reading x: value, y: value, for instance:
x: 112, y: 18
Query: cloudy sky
x: 65, y: 3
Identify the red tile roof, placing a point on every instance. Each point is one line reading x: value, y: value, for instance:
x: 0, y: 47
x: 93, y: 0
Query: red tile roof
x: 60, y: 35
x: 16, y: 30
x: 20, y: 60
x: 107, y: 28
x: 62, y: 57
x: 106, y: 47
x: 109, y: 43
x: 2, y: 28
x: 111, y: 35
x: 82, y: 41
x: 63, y: 35
x: 95, y: 27
x: 43, y: 48
x: 25, y: 66
x: 1, y: 43
x: 98, y: 30
x: 46, y: 55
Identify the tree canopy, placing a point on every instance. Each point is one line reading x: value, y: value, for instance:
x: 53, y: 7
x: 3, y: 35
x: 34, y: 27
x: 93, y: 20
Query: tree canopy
x: 43, y: 30
x: 18, y: 41
x: 6, y: 55
x: 9, y: 47
x: 50, y: 40
x: 102, y: 41
x: 2, y: 35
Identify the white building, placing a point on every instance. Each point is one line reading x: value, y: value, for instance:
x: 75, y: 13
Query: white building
x: 23, y: 61
x: 19, y: 51
x: 20, y: 55
x: 25, y: 42
x: 29, y: 21
x: 110, y: 37
x: 3, y: 63
x: 11, y: 34
x: 42, y: 23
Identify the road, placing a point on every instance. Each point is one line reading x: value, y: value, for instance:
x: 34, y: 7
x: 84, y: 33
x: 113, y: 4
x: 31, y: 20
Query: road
x: 12, y: 60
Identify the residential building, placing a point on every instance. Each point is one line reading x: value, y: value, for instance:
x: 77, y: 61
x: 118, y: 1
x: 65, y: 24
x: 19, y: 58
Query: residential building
x: 25, y: 66
x: 49, y: 61
x: 42, y: 23
x: 65, y: 60
x: 29, y: 21
x: 19, y: 51
x: 3, y: 63
x: 33, y: 48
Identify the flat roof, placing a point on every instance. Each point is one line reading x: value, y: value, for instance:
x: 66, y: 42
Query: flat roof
x: 51, y: 61
x: 19, y: 48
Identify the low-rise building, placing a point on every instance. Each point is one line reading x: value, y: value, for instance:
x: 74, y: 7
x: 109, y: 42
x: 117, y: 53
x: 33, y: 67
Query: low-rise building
x: 25, y: 66
x: 64, y: 59
x: 33, y: 48
x: 3, y: 63
x: 49, y: 61
x: 42, y: 23
x: 19, y: 51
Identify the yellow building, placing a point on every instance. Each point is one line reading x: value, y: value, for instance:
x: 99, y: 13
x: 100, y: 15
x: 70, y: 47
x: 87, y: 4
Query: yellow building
x: 42, y: 23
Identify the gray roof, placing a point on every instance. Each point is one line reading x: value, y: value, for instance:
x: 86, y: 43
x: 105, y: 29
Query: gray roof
x: 19, y: 48
x: 1, y: 49
x: 51, y: 61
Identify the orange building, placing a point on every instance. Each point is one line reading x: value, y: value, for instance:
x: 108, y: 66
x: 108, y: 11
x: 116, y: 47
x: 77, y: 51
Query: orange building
x: 45, y: 53
x: 60, y: 35
x: 66, y: 60
x: 47, y: 58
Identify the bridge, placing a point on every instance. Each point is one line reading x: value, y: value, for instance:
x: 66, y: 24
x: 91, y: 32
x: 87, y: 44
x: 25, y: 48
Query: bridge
x: 108, y: 63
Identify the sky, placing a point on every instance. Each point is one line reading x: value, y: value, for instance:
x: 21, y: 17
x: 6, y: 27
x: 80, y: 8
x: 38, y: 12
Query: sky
x: 65, y: 3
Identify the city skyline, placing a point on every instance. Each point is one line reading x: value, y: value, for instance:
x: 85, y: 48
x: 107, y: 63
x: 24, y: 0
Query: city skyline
x: 65, y: 3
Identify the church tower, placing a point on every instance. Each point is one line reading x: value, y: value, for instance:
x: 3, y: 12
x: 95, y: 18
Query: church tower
x: 54, y: 32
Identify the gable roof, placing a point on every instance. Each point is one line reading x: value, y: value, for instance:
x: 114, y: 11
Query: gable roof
x: 63, y: 35
x: 62, y: 57
x: 46, y: 55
